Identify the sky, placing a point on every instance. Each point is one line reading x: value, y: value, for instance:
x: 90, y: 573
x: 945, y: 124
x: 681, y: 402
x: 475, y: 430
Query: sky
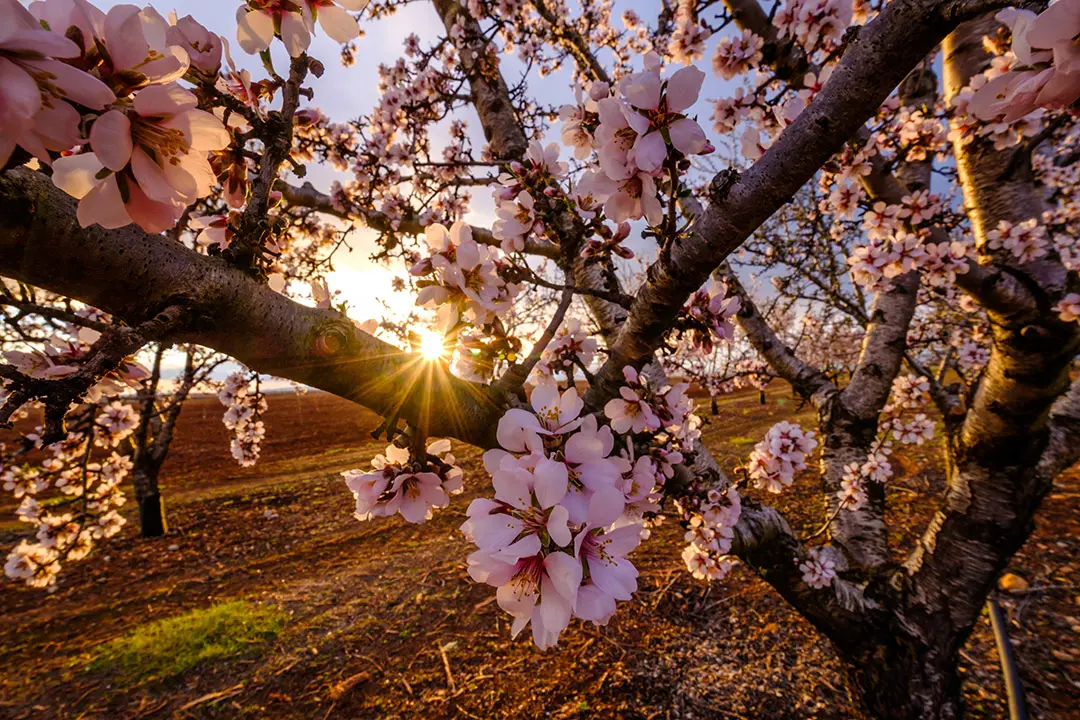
x: 346, y: 93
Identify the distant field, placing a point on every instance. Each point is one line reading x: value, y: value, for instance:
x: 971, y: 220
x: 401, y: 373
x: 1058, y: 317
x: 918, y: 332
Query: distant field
x: 268, y: 599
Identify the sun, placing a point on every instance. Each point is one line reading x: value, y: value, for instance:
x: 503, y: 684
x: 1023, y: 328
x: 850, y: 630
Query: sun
x: 432, y: 345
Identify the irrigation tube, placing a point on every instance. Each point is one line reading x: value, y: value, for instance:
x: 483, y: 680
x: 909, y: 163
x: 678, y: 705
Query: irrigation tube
x: 1014, y: 689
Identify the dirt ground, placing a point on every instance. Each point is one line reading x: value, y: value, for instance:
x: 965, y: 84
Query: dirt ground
x: 375, y: 606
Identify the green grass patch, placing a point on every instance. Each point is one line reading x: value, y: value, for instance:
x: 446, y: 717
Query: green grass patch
x: 740, y: 440
x: 169, y: 647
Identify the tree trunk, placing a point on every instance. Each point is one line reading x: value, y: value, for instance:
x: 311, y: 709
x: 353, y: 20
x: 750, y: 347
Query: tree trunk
x: 715, y: 407
x: 906, y: 680
x: 152, y: 516
x: 151, y: 505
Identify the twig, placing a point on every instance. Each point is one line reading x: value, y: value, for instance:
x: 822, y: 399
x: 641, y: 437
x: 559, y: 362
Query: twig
x: 828, y: 522
x: 446, y: 666
x: 221, y: 694
x: 104, y: 357
x: 518, y: 373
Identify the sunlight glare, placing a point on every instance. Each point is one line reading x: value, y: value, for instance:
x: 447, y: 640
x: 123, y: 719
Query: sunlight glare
x: 432, y: 345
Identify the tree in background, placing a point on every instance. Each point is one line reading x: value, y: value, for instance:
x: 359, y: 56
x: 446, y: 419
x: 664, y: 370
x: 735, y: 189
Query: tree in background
x: 926, y: 227
x: 159, y: 409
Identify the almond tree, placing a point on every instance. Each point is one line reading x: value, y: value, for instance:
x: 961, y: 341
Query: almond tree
x: 159, y: 409
x: 159, y: 136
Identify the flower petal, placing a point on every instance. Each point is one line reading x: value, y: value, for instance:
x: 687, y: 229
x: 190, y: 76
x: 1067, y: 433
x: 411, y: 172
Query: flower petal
x: 76, y: 174
x: 254, y: 29
x: 110, y: 138
x: 103, y: 205
x: 337, y: 23
x: 683, y: 88
x: 687, y: 137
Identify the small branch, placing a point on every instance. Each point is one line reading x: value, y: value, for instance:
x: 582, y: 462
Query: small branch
x: 105, y: 356
x: 28, y: 308
x: 618, y: 298
x: 517, y: 374
x: 828, y: 522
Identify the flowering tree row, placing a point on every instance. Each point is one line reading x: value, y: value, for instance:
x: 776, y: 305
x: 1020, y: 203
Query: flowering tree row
x: 150, y: 177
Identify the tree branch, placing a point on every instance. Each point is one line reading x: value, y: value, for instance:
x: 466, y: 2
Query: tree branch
x: 129, y: 273
x: 308, y: 196
x: 808, y: 381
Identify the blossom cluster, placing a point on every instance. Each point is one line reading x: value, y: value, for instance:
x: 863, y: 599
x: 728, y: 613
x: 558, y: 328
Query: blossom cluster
x: 555, y: 537
x: 401, y: 483
x: 634, y: 130
x: 461, y: 278
x: 814, y: 24
x: 1043, y: 72
x: 97, y: 95
x: 573, y: 497
x: 641, y: 408
x: 900, y: 421
x: 245, y: 404
x: 709, y: 523
x: 711, y: 308
x: 259, y: 21
x: 86, y: 472
x: 523, y: 194
x: 1025, y: 241
x: 777, y: 458
x: 148, y: 141
x: 899, y: 243
x: 818, y: 570
x: 62, y: 354
x: 571, y: 348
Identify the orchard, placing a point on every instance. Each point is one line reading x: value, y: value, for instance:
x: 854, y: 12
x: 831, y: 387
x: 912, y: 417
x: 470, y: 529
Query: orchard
x: 871, y: 202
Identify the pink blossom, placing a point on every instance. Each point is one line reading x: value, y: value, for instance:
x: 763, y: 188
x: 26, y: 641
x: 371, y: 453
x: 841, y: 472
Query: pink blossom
x: 553, y: 413
x: 654, y: 114
x: 1026, y: 240
x: 460, y: 278
x: 1046, y: 72
x: 780, y: 455
x: 536, y: 589
x: 611, y: 576
x: 525, y: 514
x: 818, y: 571
x: 399, y: 483
x: 202, y: 46
x: 139, y: 50
x: 259, y: 21
x: 1068, y: 308
x: 629, y: 413
x: 34, y: 87
x: 736, y: 54
x: 148, y: 161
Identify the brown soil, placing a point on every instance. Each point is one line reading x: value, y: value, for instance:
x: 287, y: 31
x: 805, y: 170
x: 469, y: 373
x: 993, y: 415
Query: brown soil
x: 372, y: 603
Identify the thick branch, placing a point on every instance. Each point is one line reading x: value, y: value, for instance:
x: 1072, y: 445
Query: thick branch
x: 807, y: 380
x: 131, y: 274
x: 765, y: 541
